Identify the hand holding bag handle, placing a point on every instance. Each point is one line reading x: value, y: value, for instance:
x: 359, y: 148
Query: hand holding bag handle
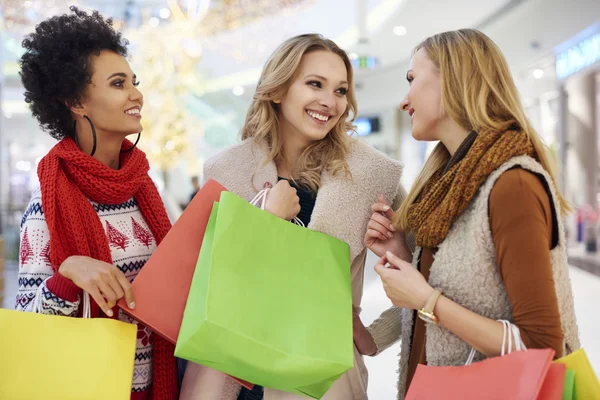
x: 262, y: 198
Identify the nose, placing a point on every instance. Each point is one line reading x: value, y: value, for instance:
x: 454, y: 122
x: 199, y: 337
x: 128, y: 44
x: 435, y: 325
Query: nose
x: 136, y: 95
x: 404, y: 104
x: 327, y: 99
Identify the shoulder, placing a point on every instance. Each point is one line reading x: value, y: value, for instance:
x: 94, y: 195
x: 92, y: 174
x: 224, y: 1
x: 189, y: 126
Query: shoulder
x: 520, y: 189
x: 34, y: 211
x: 36, y: 195
x: 366, y: 161
x: 238, y: 166
x: 241, y: 153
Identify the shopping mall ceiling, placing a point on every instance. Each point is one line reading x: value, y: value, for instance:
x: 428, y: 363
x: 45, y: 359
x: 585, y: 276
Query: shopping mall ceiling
x: 229, y: 40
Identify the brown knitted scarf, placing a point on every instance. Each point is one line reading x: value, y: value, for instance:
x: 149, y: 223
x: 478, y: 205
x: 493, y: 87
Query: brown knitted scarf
x: 449, y: 191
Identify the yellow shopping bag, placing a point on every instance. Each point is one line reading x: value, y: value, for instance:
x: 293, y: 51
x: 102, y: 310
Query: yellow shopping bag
x: 587, y: 386
x: 63, y: 358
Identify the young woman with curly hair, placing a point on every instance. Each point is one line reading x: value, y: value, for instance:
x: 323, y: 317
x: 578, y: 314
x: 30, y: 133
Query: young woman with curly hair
x: 295, y: 139
x: 97, y: 216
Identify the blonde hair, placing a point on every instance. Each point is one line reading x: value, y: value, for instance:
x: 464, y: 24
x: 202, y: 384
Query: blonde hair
x: 262, y: 119
x: 478, y: 92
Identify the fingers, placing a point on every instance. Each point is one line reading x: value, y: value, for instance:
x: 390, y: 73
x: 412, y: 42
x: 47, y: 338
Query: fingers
x: 394, y: 260
x: 127, y: 289
x: 107, y: 292
x: 378, y: 228
x: 376, y: 235
x: 386, y: 224
x: 380, y: 207
x: 119, y: 283
x: 383, y: 207
x: 380, y: 267
x: 111, y: 279
x: 99, y: 299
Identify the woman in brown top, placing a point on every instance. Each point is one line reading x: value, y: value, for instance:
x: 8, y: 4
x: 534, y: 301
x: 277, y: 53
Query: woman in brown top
x: 462, y: 95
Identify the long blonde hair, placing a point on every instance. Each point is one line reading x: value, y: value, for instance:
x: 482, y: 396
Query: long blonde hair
x: 478, y: 92
x: 262, y: 119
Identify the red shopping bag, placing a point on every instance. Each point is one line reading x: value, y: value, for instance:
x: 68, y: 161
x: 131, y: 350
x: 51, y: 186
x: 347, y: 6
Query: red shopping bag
x: 161, y: 289
x: 554, y: 384
x: 518, y: 375
x: 162, y: 286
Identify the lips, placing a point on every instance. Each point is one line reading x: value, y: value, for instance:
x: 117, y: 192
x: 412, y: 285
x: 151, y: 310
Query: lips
x: 319, y: 115
x: 134, y: 111
x: 411, y: 112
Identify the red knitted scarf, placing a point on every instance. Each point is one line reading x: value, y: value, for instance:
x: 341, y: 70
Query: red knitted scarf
x: 69, y: 179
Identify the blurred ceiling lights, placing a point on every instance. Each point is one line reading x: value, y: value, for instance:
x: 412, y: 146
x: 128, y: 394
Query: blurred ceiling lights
x: 19, y: 17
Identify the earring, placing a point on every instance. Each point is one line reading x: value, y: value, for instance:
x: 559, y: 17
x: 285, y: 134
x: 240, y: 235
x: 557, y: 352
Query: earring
x: 75, y: 133
x: 135, y: 144
x: 93, y: 134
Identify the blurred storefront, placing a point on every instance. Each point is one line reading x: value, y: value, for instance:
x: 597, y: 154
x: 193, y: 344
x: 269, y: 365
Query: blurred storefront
x: 563, y: 104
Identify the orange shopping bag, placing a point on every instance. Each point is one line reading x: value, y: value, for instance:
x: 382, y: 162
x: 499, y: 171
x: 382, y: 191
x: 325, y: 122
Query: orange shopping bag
x: 527, y: 374
x: 161, y: 288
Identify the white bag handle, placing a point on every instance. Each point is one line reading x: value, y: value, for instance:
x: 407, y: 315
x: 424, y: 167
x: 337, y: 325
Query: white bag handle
x: 37, y: 304
x: 511, y: 332
x: 262, y: 198
x: 87, y: 309
x: 262, y: 195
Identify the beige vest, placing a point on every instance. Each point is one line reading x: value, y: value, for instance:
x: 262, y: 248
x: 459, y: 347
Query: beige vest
x: 465, y: 270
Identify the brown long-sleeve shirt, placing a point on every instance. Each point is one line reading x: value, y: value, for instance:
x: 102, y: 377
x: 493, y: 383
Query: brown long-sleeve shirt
x: 521, y: 221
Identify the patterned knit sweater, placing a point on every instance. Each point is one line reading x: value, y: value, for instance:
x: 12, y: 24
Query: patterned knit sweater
x: 131, y: 243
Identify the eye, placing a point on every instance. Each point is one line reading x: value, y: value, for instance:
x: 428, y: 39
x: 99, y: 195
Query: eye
x: 410, y: 79
x: 343, y: 91
x: 316, y: 84
x: 136, y: 83
x: 119, y: 83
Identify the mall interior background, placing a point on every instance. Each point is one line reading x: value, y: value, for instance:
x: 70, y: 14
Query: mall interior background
x: 199, y: 60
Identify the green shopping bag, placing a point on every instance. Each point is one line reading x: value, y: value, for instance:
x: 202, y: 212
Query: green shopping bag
x: 569, y: 388
x: 270, y: 302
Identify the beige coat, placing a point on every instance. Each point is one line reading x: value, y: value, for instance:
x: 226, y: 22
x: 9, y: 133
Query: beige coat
x: 465, y: 270
x: 342, y: 210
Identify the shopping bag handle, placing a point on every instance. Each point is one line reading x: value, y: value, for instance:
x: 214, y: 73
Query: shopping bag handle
x: 510, y: 331
x: 261, y: 198
x: 37, y: 303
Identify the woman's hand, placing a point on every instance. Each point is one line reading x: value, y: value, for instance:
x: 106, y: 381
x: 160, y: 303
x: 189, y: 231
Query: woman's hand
x: 362, y: 337
x: 283, y: 201
x: 104, y: 282
x: 381, y: 236
x: 404, y: 285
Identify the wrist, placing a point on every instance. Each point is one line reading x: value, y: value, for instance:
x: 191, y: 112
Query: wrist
x: 427, y: 313
x: 63, y: 269
x: 63, y: 287
x: 69, y: 265
x: 276, y: 211
x: 426, y: 294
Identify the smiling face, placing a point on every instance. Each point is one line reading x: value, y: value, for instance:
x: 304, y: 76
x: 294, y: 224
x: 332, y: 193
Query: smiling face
x: 112, y: 101
x: 423, y: 101
x: 316, y: 98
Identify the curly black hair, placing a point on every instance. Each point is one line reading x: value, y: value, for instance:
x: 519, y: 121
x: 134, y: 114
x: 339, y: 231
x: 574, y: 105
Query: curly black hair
x: 55, y: 69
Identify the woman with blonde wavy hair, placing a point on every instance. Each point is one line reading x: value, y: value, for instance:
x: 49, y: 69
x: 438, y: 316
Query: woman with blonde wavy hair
x: 295, y: 140
x: 486, y: 213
